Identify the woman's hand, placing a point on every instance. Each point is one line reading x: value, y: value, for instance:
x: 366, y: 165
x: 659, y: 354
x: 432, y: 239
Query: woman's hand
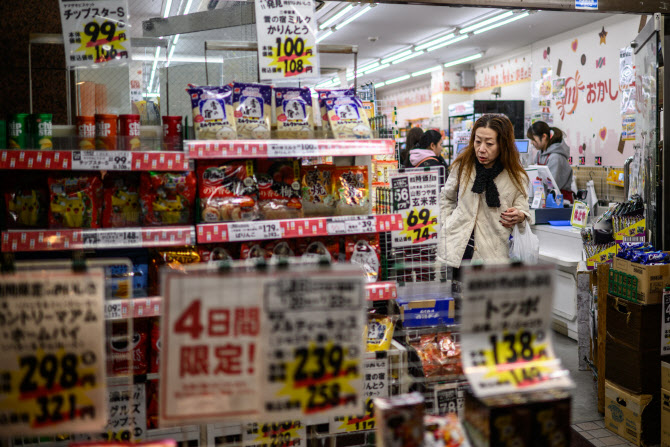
x: 511, y: 217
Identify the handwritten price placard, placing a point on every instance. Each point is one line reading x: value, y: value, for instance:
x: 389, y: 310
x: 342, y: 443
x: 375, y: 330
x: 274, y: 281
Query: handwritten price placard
x: 415, y: 197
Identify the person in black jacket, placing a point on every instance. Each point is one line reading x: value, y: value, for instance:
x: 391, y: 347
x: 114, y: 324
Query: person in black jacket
x: 428, y: 152
x: 413, y: 137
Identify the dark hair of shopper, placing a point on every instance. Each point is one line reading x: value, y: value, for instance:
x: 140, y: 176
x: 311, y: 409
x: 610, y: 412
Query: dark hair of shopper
x: 413, y: 137
x: 429, y: 137
x: 539, y: 128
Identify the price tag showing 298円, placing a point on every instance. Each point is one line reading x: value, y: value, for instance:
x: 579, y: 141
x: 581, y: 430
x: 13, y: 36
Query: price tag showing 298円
x: 95, y: 32
x: 52, y: 353
x: 506, y: 330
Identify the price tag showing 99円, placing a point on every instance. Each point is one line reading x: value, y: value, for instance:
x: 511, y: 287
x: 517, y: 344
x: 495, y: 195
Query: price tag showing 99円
x: 95, y: 32
x: 51, y: 353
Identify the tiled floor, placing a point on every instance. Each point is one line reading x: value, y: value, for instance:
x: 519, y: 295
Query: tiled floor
x: 596, y: 433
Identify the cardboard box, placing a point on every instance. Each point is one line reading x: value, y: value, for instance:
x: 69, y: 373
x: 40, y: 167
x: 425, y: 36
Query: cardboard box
x: 634, y: 324
x: 651, y: 279
x: 665, y: 326
x: 665, y: 418
x: 665, y: 375
x: 632, y: 368
x: 422, y: 313
x: 635, y: 417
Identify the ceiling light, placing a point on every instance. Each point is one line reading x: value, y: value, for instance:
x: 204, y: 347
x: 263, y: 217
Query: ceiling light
x: 188, y: 6
x: 168, y: 6
x: 323, y: 36
x: 513, y: 19
x: 171, y: 52
x: 432, y: 42
x: 464, y: 60
x: 444, y: 44
x: 426, y: 71
x: 396, y: 56
x: 368, y: 67
x: 411, y: 56
x: 335, y: 18
x: 380, y: 85
x: 176, y: 39
x: 327, y: 83
x: 352, y: 18
x: 377, y: 69
x: 487, y: 22
x: 398, y: 79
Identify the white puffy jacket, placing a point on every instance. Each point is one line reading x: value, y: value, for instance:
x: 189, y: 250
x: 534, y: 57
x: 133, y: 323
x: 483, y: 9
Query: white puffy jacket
x: 461, y: 211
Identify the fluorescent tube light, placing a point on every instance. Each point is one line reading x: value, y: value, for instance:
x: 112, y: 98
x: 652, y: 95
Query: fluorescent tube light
x: 335, y: 18
x: 176, y: 39
x: 368, y: 67
x: 168, y: 6
x: 171, y: 52
x: 433, y: 42
x: 398, y: 79
x: 444, y: 44
x: 396, y: 56
x: 426, y: 71
x: 377, y: 69
x: 188, y: 6
x: 486, y: 22
x: 352, y: 18
x: 513, y: 19
x: 380, y: 84
x: 464, y: 60
x: 323, y: 36
x: 411, y: 56
x: 327, y: 83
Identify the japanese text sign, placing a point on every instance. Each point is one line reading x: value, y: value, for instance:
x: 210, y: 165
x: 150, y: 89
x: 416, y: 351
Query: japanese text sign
x: 52, y: 358
x: 580, y: 214
x: 416, y: 197
x: 286, y: 433
x: 506, y: 337
x: 286, y: 34
x: 95, y: 32
x: 127, y: 407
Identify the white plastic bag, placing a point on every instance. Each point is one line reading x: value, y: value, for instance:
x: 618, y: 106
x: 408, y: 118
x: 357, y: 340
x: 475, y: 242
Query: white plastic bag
x: 525, y: 246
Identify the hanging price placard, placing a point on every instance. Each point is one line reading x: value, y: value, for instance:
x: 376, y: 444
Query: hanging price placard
x: 286, y: 32
x: 415, y: 197
x: 580, y: 214
x: 52, y: 362
x: 506, y: 330
x: 282, y: 434
x: 95, y: 32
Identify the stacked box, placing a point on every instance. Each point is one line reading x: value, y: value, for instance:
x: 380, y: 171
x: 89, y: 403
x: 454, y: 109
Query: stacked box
x: 634, y: 417
x: 651, y: 279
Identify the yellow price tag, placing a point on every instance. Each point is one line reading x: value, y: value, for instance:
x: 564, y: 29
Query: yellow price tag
x: 420, y: 225
x: 360, y: 422
x: 282, y: 434
x: 292, y: 56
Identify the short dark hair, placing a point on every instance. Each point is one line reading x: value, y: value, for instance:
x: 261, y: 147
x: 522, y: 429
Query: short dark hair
x: 429, y: 137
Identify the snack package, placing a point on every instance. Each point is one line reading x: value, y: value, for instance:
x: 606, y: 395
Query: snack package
x: 120, y: 350
x: 253, y: 250
x: 380, y: 332
x: 399, y: 420
x: 279, y: 189
x: 364, y: 251
x: 322, y: 95
x: 439, y: 354
x: 293, y: 109
x: 444, y: 431
x: 351, y: 184
x: 253, y: 110
x: 450, y: 352
x: 152, y: 404
x: 213, y: 114
x: 318, y: 190
x: 167, y: 197
x: 347, y: 118
x: 174, y: 258
x: 75, y: 201
x: 156, y: 345
x: 215, y: 253
x: 121, y: 200
x: 26, y: 202
x: 317, y: 247
x: 122, y: 282
x: 228, y: 191
x: 279, y: 248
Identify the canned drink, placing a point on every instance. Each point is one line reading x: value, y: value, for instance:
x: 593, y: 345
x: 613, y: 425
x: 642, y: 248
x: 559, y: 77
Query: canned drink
x: 41, y: 130
x: 105, y: 132
x: 129, y: 130
x: 18, y: 131
x: 86, y: 132
x: 172, y: 133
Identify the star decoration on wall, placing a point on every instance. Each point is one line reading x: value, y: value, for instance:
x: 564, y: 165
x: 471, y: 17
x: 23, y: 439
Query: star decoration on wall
x: 603, y: 36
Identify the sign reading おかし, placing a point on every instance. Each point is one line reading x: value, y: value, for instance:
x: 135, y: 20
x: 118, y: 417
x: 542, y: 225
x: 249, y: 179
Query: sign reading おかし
x: 286, y: 32
x: 415, y: 197
x: 95, y: 32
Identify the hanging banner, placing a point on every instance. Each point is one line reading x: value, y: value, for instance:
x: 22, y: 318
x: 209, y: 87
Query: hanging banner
x: 415, y: 197
x: 52, y: 357
x: 506, y: 337
x: 286, y: 34
x: 95, y: 32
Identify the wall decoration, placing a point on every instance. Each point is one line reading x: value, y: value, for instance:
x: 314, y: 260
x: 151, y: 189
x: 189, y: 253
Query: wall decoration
x: 574, y: 45
x: 603, y: 36
x: 603, y: 133
x: 599, y: 161
x: 600, y: 62
x: 583, y: 59
x: 582, y: 161
x: 570, y: 160
x: 558, y: 88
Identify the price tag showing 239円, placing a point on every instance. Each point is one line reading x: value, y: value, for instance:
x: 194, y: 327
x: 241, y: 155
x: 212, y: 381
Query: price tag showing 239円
x: 95, y: 32
x: 52, y: 353
x: 506, y: 330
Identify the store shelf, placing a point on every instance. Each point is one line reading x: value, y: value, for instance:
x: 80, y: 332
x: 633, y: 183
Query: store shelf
x: 381, y: 291
x: 93, y: 160
x: 204, y: 149
x: 133, y: 308
x: 49, y: 240
x: 293, y: 228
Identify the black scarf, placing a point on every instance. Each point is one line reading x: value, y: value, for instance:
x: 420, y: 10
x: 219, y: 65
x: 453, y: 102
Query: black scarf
x: 484, y: 181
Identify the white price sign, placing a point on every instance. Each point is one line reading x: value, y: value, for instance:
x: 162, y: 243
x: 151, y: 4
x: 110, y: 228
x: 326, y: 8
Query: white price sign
x: 415, y: 197
x: 112, y: 238
x: 127, y: 413
x: 250, y: 231
x: 102, y: 160
x: 95, y: 32
x: 286, y: 31
x: 580, y: 214
x: 351, y: 225
x: 114, y: 309
x: 293, y: 148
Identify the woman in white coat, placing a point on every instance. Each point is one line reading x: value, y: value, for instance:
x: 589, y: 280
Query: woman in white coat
x: 484, y: 197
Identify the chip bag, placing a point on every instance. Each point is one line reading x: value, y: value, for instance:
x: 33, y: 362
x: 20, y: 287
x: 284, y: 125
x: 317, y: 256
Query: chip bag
x: 380, y: 332
x: 365, y: 253
x: 279, y: 189
x: 121, y: 206
x: 75, y: 201
x: 318, y: 190
x: 213, y: 115
x: 347, y: 118
x: 351, y: 183
x: 167, y: 198
x: 174, y: 258
x: 120, y: 349
x: 322, y: 95
x: 228, y: 191
x: 253, y: 110
x: 26, y: 201
x: 293, y: 109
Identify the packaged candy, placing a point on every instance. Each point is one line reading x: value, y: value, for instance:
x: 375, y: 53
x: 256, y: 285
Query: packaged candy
x: 253, y: 250
x: 228, y: 191
x: 439, y: 354
x: 656, y: 257
x: 322, y: 95
x: 26, y: 201
x: 213, y: 114
x: 217, y: 252
x: 444, y: 431
x: 75, y: 201
x: 318, y: 247
x: 318, y: 190
x: 351, y: 184
x: 380, y: 332
x: 121, y: 350
x: 173, y: 258
x: 253, y: 110
x: 399, y: 420
x: 156, y: 345
x: 293, y: 109
x: 121, y: 200
x: 347, y: 118
x: 122, y: 281
x: 364, y: 251
x: 279, y: 189
x: 167, y: 198
x: 281, y: 249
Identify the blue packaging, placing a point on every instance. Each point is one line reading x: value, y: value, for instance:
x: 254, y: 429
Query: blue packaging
x: 422, y: 313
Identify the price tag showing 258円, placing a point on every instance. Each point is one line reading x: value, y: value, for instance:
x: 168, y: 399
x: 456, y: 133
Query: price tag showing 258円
x: 95, y: 32
x: 52, y: 353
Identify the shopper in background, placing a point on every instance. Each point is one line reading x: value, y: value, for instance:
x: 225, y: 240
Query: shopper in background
x: 428, y: 151
x: 554, y: 153
x: 484, y: 197
x: 413, y: 137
